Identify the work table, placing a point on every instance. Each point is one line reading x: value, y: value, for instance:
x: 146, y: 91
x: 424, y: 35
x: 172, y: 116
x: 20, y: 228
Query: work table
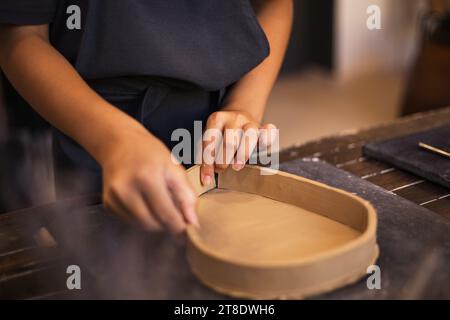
x: 119, y: 262
x: 345, y: 152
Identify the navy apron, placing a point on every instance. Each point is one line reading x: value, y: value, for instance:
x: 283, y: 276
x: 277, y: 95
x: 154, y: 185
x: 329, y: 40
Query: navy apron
x: 165, y: 63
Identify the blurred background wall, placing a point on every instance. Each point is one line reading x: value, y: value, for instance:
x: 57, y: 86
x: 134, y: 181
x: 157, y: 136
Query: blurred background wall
x: 338, y: 74
x: 360, y: 51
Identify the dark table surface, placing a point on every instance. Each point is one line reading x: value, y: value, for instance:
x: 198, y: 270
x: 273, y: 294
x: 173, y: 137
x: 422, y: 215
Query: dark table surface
x: 115, y: 260
x: 345, y: 152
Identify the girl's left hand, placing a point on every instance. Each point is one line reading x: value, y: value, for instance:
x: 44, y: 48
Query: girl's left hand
x: 240, y: 134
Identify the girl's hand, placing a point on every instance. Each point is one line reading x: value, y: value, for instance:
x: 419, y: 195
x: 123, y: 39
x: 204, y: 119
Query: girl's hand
x: 240, y: 136
x: 142, y: 185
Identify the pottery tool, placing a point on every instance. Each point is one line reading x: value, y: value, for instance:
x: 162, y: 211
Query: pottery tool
x: 434, y: 149
x: 407, y: 153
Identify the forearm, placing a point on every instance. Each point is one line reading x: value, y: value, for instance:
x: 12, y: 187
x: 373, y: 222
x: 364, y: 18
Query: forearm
x: 55, y: 90
x: 250, y: 93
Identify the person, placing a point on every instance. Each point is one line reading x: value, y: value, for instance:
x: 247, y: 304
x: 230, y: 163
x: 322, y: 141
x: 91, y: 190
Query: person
x: 116, y: 78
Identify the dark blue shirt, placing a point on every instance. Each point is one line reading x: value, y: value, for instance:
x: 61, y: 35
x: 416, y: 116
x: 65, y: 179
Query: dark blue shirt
x: 208, y: 43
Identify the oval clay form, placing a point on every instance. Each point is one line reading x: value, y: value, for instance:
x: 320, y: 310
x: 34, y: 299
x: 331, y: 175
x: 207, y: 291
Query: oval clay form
x: 267, y: 234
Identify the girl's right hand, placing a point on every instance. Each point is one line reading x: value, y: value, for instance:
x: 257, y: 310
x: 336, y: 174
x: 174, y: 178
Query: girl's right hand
x: 144, y: 186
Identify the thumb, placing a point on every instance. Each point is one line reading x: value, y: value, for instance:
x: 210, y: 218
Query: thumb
x: 184, y: 196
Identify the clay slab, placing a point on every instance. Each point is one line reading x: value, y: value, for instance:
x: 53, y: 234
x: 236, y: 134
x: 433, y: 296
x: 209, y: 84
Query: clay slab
x: 278, y: 236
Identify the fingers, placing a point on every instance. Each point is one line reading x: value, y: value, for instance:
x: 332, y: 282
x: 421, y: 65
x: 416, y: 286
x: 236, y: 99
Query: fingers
x: 131, y: 207
x: 212, y: 138
x: 268, y: 135
x: 247, y: 145
x: 184, y: 196
x: 153, y: 202
x: 232, y: 134
x: 231, y: 140
x: 206, y: 173
x: 158, y: 198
